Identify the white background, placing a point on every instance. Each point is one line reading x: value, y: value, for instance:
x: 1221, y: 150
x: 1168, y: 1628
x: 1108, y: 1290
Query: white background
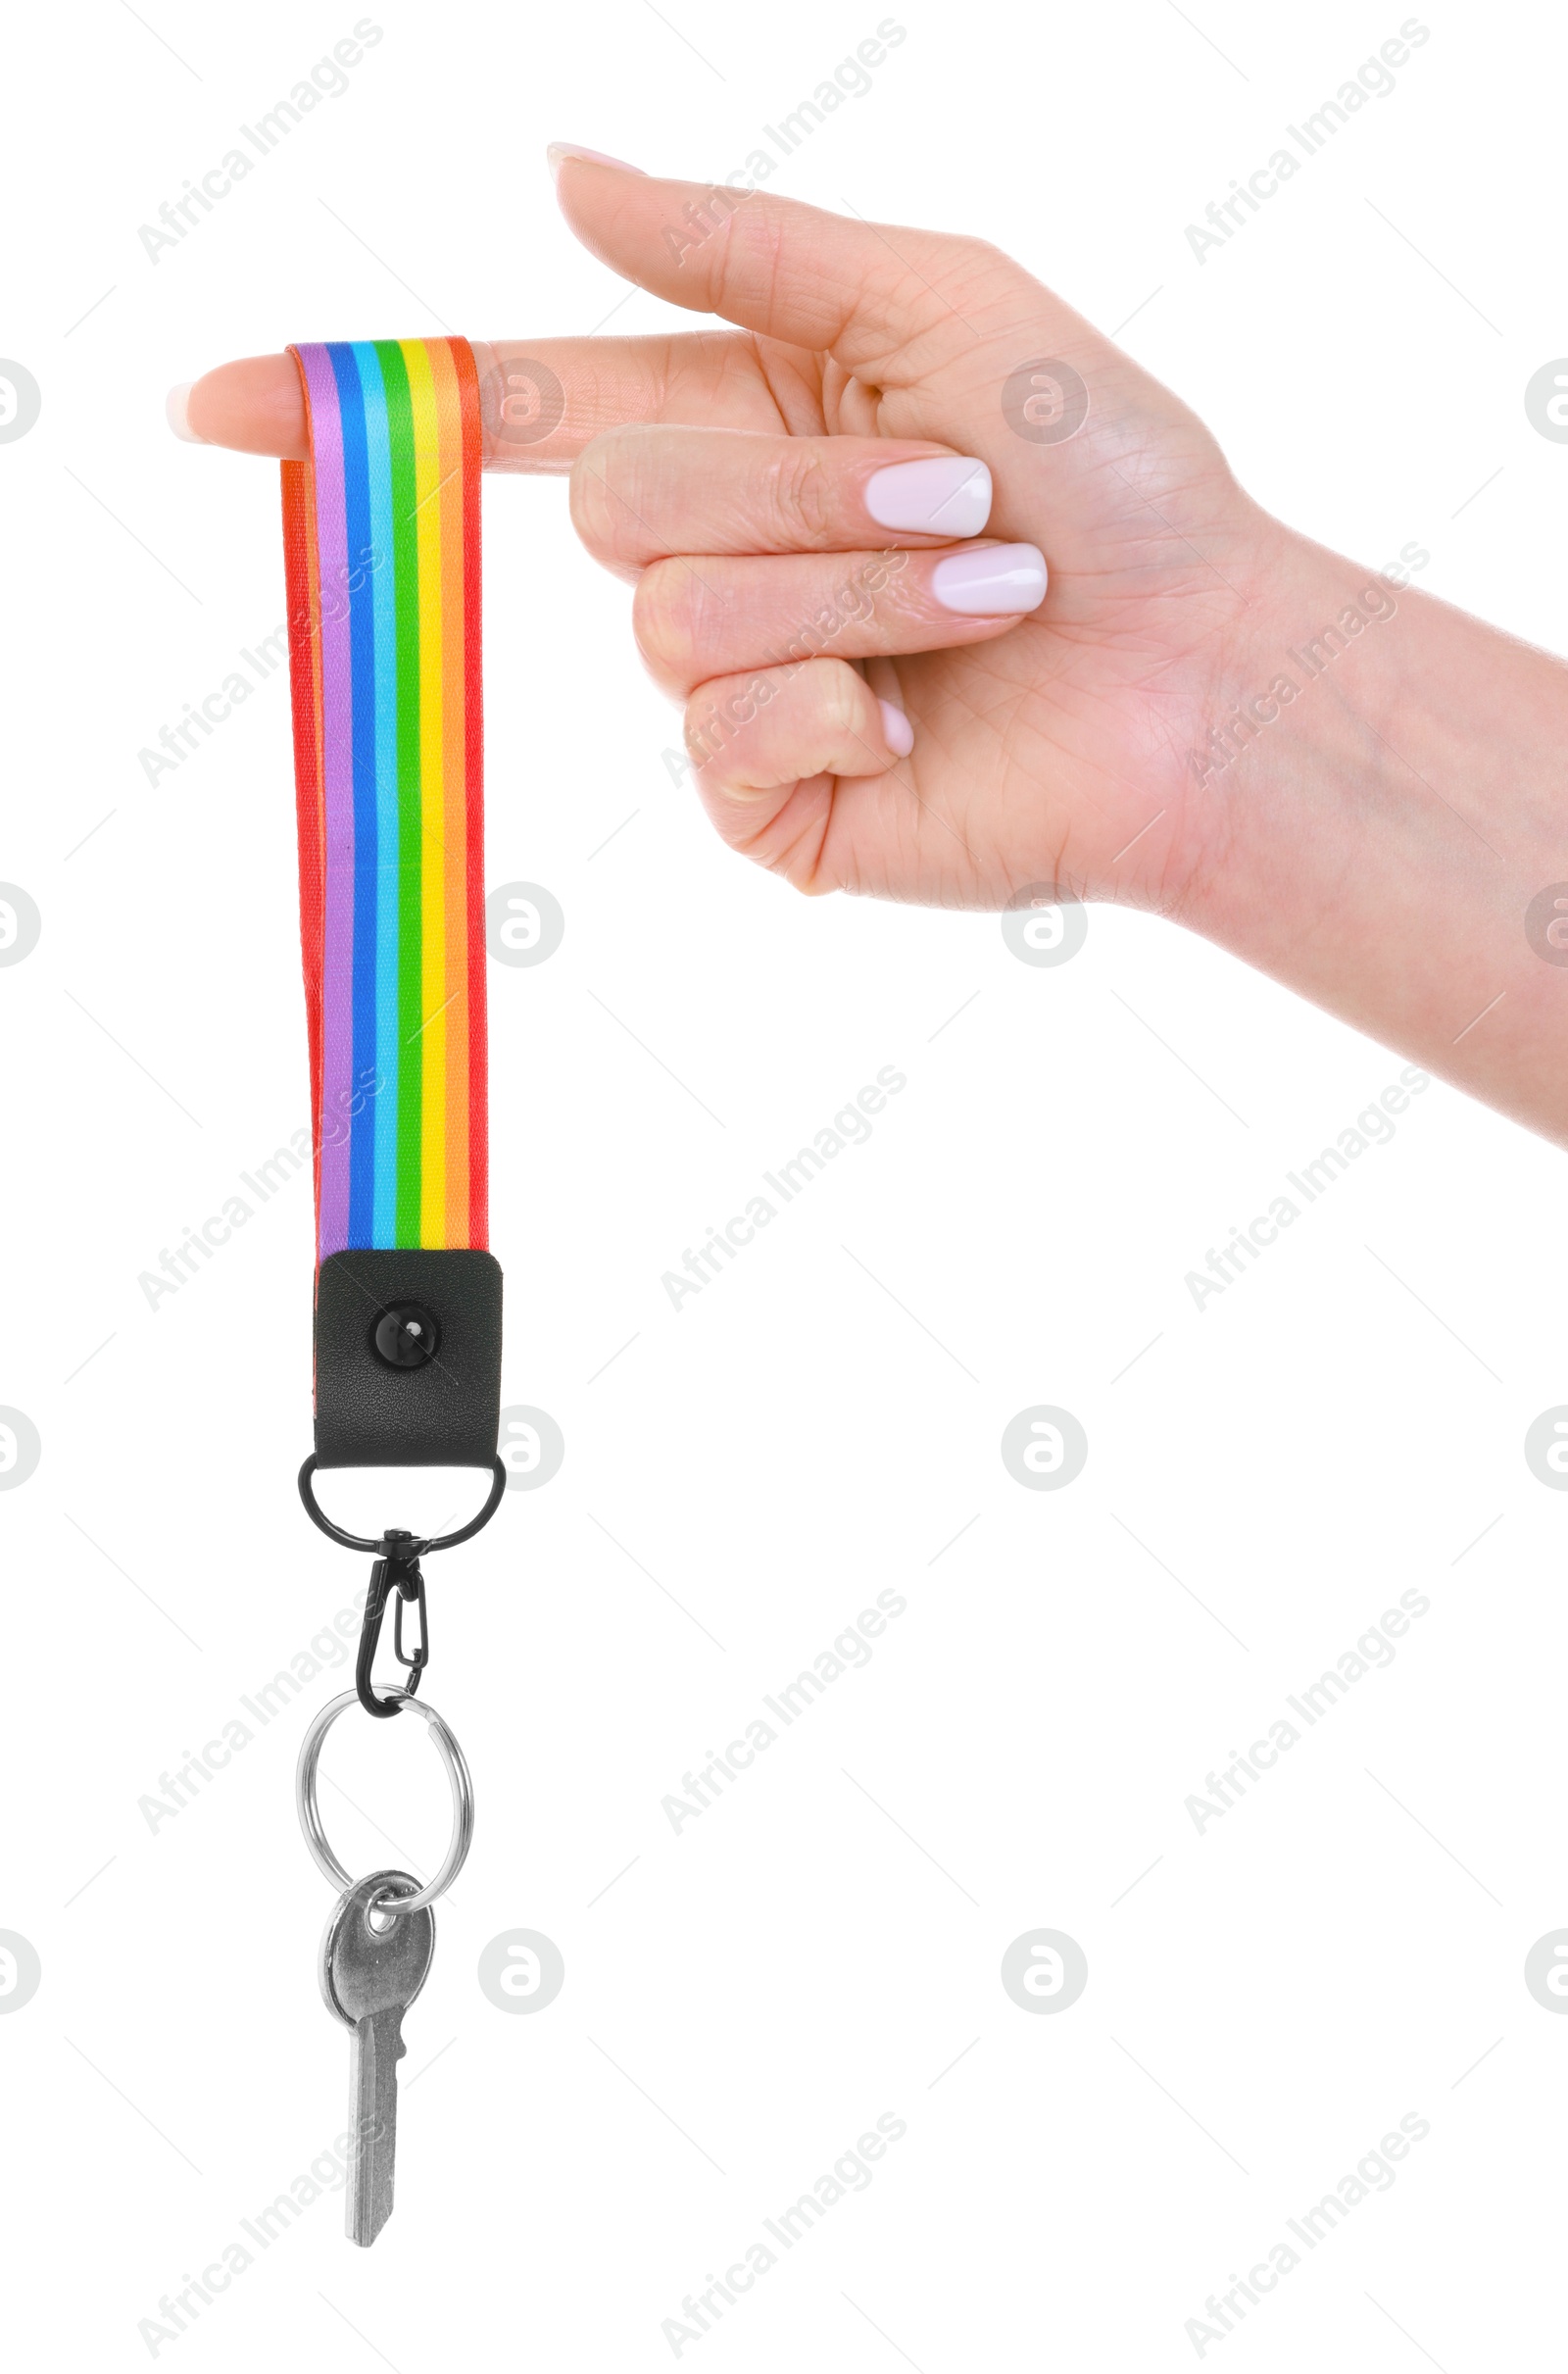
x: 1266, y: 2000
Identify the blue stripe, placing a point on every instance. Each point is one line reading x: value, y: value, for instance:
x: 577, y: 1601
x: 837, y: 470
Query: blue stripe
x: 362, y: 652
x: 383, y: 591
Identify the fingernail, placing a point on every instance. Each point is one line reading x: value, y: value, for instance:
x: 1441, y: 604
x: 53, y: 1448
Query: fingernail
x: 896, y: 731
x: 1002, y: 581
x: 559, y: 150
x: 177, y: 412
x: 946, y: 495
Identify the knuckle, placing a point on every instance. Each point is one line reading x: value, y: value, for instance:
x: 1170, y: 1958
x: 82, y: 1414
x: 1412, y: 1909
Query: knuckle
x: 666, y: 616
x: 697, y: 728
x: 606, y: 496
x: 838, y: 697
x: 958, y: 268
x: 800, y: 494
x: 716, y: 720
x: 978, y: 255
x: 593, y: 507
x: 988, y: 273
x: 589, y: 494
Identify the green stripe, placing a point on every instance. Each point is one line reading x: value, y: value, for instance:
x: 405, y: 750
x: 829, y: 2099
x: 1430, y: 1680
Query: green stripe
x: 411, y: 887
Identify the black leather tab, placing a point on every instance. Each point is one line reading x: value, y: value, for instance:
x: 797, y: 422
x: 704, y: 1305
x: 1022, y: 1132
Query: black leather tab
x: 375, y: 1412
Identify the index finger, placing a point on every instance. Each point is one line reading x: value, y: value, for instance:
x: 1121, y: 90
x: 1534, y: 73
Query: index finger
x: 541, y: 401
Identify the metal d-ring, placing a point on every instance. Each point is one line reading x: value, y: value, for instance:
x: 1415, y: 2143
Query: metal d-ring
x: 499, y: 1479
x: 310, y: 1811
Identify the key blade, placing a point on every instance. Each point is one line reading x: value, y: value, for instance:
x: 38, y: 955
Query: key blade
x: 377, y: 2049
x: 368, y: 1978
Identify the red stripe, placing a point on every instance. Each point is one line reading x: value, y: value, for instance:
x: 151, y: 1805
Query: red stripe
x: 473, y: 712
x: 304, y: 651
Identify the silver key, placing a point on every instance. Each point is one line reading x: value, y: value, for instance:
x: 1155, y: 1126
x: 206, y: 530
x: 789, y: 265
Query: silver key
x: 368, y: 1979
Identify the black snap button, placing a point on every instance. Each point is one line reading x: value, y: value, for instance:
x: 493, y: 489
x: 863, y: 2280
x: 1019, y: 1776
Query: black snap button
x: 405, y: 1335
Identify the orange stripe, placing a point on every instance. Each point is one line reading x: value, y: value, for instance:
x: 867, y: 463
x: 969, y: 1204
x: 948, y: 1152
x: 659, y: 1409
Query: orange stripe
x: 313, y: 561
x: 303, y: 572
x: 314, y: 564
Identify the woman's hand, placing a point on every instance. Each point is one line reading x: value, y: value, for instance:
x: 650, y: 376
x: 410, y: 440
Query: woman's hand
x: 762, y: 496
x: 839, y: 519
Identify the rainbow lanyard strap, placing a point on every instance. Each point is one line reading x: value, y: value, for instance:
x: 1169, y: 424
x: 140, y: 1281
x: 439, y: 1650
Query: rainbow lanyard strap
x: 381, y: 550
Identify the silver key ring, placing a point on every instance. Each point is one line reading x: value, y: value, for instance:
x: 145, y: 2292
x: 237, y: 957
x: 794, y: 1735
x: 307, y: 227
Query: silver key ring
x: 310, y: 1813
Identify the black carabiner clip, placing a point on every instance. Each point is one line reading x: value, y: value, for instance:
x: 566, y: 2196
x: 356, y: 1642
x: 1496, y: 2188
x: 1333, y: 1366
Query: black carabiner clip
x: 396, y: 1570
x: 397, y: 1556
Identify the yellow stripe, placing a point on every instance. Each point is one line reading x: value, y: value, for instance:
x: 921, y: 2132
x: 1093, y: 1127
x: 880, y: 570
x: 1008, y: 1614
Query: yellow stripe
x: 433, y: 786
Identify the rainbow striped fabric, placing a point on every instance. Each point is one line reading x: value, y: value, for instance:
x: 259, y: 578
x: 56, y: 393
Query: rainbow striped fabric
x: 382, y: 548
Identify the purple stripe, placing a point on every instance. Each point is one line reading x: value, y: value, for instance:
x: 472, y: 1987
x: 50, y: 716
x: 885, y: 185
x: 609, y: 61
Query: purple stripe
x: 337, y: 751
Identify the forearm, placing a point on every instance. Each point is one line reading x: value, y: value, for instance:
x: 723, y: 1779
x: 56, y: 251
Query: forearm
x: 1377, y: 842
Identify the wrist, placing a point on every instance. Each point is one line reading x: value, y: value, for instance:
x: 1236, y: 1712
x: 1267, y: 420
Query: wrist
x: 1301, y: 692
x: 1372, y: 810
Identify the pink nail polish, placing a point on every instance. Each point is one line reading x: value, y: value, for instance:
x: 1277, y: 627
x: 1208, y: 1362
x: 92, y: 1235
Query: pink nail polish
x: 943, y: 495
x: 1004, y: 580
x: 896, y: 731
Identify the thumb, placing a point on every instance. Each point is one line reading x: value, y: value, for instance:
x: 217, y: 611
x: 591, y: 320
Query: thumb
x: 857, y: 290
x: 949, y: 338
